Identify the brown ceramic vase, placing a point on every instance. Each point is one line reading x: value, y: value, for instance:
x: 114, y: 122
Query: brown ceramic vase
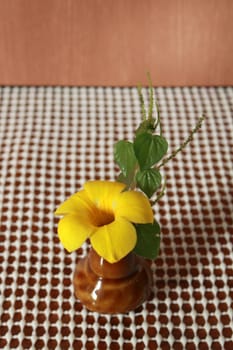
x: 112, y: 288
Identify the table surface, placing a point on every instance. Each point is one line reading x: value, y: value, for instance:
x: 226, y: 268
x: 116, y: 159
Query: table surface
x: 52, y: 140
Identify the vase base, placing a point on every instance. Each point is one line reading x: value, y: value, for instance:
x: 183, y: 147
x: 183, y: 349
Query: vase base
x: 112, y: 295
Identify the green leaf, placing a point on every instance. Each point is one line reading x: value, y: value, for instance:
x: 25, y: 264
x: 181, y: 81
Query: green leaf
x: 149, y: 149
x: 124, y: 156
x: 149, y: 181
x: 148, y: 240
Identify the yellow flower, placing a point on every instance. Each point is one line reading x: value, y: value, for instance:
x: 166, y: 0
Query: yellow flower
x: 103, y: 212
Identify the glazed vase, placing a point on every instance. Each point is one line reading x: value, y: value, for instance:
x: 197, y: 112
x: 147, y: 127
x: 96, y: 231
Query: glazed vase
x: 112, y: 288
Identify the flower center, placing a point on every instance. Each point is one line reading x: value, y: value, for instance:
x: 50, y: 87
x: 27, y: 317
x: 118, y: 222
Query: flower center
x: 102, y: 218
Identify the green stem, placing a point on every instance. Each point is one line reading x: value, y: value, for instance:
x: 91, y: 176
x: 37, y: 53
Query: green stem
x: 142, y: 102
x: 150, y: 114
x: 158, y: 122
x: 184, y: 144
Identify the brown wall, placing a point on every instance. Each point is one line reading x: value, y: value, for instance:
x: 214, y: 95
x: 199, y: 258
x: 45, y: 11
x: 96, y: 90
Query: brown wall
x: 114, y: 42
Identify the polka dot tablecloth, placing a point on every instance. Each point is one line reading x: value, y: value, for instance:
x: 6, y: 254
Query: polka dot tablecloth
x: 52, y: 140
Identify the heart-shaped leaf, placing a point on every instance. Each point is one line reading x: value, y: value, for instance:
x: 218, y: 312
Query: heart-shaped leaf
x: 148, y: 240
x: 124, y: 156
x: 149, y: 149
x: 149, y: 181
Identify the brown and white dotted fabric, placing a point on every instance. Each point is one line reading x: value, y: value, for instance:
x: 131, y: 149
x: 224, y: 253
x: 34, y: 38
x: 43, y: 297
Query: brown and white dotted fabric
x: 52, y: 140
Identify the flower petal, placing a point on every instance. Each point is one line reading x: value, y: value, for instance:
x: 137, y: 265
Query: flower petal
x: 73, y: 231
x: 77, y: 203
x: 114, y: 241
x: 135, y: 207
x: 103, y: 193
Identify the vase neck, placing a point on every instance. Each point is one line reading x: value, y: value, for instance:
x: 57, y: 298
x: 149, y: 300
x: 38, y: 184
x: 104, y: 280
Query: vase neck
x: 120, y: 269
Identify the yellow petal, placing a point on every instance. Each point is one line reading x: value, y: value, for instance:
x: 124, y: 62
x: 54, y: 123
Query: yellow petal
x: 135, y: 207
x: 73, y: 231
x: 77, y: 203
x: 103, y: 193
x: 114, y: 241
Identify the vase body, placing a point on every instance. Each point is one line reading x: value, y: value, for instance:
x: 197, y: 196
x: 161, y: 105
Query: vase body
x: 112, y: 288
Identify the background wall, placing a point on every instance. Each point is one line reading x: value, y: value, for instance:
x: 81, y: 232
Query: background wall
x: 108, y: 42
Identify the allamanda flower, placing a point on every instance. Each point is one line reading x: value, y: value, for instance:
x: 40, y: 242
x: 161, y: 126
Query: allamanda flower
x: 105, y: 213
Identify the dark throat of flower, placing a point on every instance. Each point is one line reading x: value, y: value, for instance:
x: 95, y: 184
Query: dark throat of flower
x: 102, y: 218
